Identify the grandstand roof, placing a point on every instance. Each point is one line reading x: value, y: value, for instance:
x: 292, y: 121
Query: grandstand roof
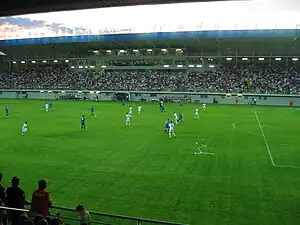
x: 207, y: 47
x: 8, y: 7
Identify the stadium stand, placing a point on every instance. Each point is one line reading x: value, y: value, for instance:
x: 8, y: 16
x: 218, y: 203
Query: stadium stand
x: 144, y: 62
x: 14, y: 210
x: 225, y: 79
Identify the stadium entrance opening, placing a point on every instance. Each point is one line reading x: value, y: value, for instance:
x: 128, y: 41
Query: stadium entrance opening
x: 119, y: 96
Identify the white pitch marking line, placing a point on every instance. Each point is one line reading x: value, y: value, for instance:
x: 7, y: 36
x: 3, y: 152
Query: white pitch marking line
x: 264, y: 137
x: 244, y: 131
x: 233, y: 125
x: 200, y: 151
x: 282, y: 166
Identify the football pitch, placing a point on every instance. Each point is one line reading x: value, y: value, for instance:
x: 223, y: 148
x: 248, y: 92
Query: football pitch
x: 252, y: 178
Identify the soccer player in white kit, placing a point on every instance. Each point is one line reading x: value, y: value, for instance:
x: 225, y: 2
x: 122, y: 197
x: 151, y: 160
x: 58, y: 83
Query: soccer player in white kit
x: 24, y: 128
x: 197, y: 113
x: 127, y: 119
x: 175, y: 118
x: 130, y: 110
x: 139, y: 109
x: 47, y: 107
x: 171, y: 130
x: 204, y: 107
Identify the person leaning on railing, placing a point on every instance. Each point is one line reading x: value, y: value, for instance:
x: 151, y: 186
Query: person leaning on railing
x: 41, y: 200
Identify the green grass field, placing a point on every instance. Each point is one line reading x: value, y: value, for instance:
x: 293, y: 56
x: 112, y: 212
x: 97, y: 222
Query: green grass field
x: 139, y: 171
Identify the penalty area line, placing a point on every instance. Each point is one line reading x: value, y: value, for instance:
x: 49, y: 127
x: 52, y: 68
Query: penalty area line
x: 264, y: 137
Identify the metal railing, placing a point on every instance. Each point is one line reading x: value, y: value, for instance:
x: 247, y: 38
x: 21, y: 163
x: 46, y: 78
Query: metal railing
x: 120, y: 218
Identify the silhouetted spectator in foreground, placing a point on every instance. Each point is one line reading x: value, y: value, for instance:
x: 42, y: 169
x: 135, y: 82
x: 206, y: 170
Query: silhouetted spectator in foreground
x: 28, y: 221
x: 42, y: 222
x: 55, y: 221
x: 85, y: 218
x: 37, y: 219
x: 2, y: 190
x: 48, y: 218
x: 15, y: 198
x: 22, y: 218
x: 41, y: 200
x: 3, y: 214
x: 2, y: 222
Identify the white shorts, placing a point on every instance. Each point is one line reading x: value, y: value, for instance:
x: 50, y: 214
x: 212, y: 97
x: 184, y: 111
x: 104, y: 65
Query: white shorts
x: 171, y: 130
x: 24, y: 130
x: 196, y: 114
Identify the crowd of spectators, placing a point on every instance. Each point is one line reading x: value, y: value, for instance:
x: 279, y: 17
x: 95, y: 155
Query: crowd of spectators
x: 141, y: 52
x: 14, y: 197
x: 145, y: 62
x: 246, y: 79
x: 47, y: 78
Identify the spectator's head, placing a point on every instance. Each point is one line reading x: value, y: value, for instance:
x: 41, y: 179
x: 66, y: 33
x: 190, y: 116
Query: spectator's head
x: 15, y: 181
x: 48, y: 218
x: 37, y: 219
x: 42, y: 184
x: 22, y: 218
x: 80, y: 209
x: 42, y: 222
x: 55, y: 221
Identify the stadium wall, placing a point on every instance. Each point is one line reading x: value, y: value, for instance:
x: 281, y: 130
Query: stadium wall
x: 220, y: 98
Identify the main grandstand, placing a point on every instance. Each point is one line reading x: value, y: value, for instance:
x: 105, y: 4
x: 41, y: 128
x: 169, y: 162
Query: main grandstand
x: 237, y: 164
x: 220, y: 66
